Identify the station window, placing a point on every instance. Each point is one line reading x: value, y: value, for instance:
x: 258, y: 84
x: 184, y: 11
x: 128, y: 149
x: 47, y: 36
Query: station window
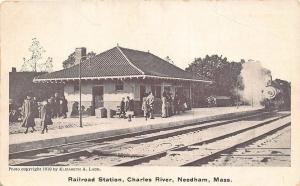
x: 167, y: 88
x: 119, y: 86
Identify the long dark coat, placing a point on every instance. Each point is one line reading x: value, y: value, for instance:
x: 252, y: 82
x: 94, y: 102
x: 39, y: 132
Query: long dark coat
x: 46, y: 115
x: 63, y: 107
x: 28, y: 113
x: 56, y: 106
x: 129, y: 107
x: 122, y: 106
x: 35, y: 109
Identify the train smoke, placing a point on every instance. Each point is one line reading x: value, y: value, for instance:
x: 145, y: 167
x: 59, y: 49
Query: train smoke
x: 254, y: 78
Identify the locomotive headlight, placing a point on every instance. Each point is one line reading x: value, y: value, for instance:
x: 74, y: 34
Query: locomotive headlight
x: 270, y: 92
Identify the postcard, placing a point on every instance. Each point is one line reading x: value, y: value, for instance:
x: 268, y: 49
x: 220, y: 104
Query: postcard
x: 152, y: 92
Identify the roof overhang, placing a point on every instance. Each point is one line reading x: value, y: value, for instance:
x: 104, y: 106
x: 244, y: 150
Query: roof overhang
x: 35, y: 80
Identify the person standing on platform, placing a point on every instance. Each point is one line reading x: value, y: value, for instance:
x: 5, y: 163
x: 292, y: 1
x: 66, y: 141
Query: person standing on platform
x: 35, y: 108
x: 175, y: 103
x: 46, y: 116
x: 169, y: 107
x: 167, y: 104
x: 164, y: 107
x: 145, y: 106
x: 56, y: 105
x: 182, y: 103
x: 28, y: 114
x: 52, y: 106
x: 129, y: 108
x: 150, y: 104
x: 171, y: 104
x: 63, y: 107
x: 122, y: 109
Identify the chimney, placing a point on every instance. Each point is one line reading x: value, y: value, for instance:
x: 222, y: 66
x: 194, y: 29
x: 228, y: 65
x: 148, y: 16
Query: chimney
x: 80, y: 54
x: 13, y: 69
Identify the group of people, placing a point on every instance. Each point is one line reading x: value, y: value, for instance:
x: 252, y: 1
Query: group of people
x: 148, y: 105
x: 172, y: 105
x: 127, y: 108
x: 53, y: 107
x: 57, y: 106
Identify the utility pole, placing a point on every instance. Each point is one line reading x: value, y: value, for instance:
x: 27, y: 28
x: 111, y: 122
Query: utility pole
x: 237, y: 95
x: 80, y: 111
x: 252, y: 93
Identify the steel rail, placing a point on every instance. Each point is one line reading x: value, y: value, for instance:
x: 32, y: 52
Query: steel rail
x: 128, y: 135
x: 148, y: 158
x: 206, y: 159
x: 51, y: 159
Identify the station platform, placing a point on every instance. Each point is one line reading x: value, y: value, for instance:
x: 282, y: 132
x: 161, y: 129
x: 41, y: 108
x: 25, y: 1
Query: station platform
x: 65, y: 131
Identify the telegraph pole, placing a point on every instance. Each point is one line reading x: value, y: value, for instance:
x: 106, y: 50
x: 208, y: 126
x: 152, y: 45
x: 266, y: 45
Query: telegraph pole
x: 80, y: 111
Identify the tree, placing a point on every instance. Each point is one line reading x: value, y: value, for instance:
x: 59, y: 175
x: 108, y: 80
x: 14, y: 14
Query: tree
x: 71, y: 59
x: 34, y: 62
x: 90, y: 54
x: 224, y: 74
x: 227, y: 79
x: 47, y: 66
x: 207, y: 67
x: 168, y: 59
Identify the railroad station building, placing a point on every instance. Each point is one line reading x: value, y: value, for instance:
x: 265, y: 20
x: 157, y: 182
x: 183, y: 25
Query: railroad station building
x: 120, y: 72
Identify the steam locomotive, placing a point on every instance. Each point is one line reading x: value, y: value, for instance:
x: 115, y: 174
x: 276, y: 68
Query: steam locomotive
x: 277, y: 96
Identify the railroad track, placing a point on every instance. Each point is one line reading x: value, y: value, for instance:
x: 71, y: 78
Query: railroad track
x: 111, y: 138
x: 210, y: 149
x: 112, y: 147
x: 274, y: 150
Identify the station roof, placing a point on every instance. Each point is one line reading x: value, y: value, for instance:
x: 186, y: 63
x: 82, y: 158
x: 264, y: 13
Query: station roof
x: 120, y: 62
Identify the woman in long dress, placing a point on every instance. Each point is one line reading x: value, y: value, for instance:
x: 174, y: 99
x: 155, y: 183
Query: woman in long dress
x: 145, y: 107
x: 28, y: 114
x: 164, y: 107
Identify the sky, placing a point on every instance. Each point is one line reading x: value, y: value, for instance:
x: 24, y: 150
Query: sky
x: 267, y: 31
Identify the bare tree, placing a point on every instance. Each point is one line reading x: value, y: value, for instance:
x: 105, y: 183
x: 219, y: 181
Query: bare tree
x: 47, y: 66
x: 33, y: 63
